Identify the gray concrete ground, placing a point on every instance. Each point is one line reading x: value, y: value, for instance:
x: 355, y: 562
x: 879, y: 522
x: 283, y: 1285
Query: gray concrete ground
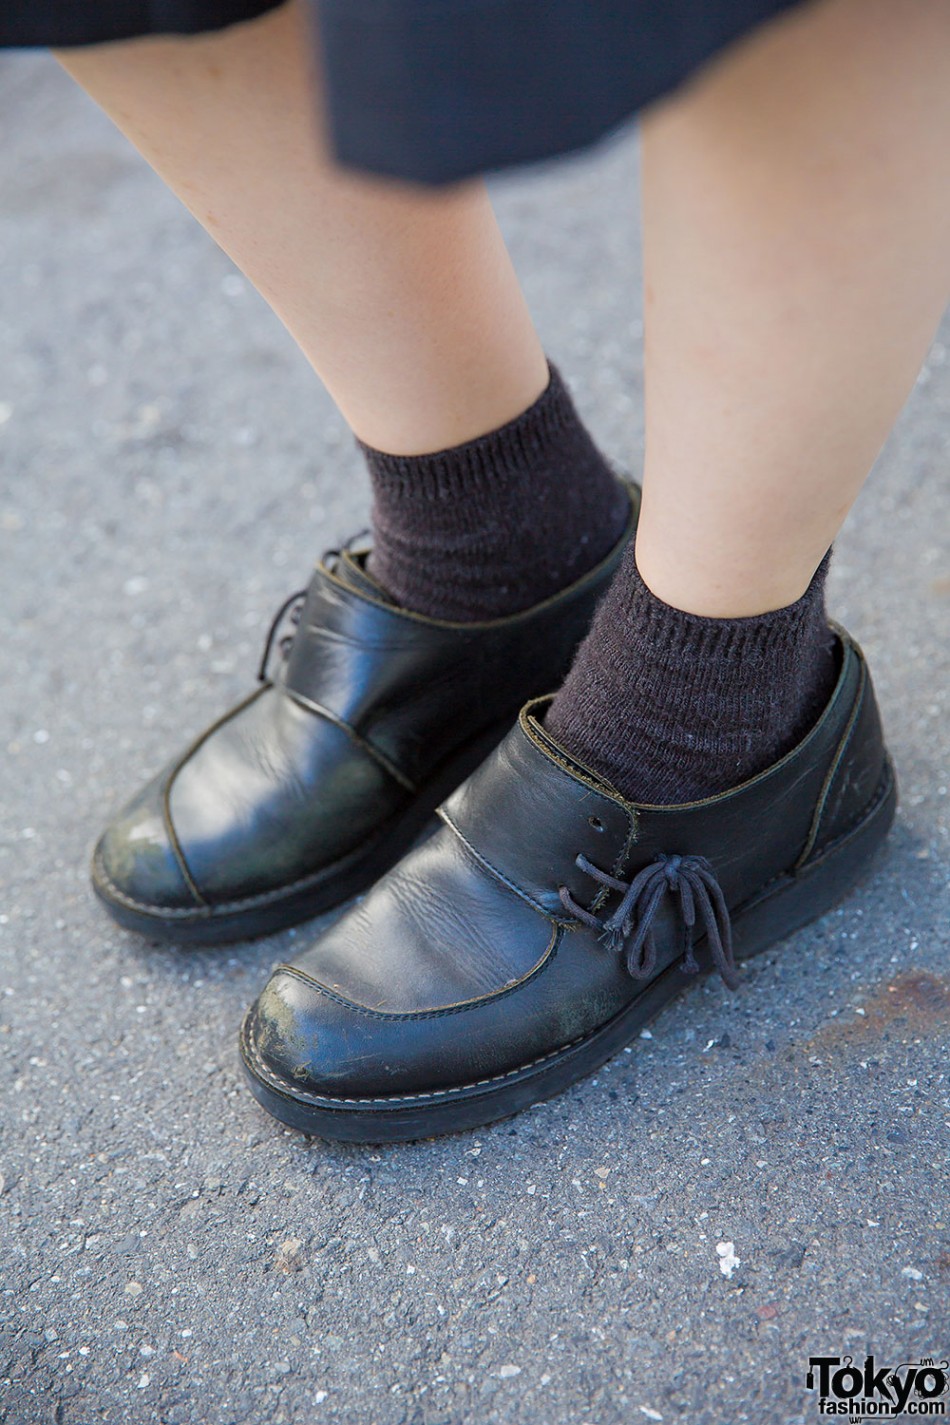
x: 169, y: 470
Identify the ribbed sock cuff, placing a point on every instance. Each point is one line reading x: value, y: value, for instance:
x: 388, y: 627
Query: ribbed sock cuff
x: 490, y: 527
x: 669, y: 706
x: 476, y: 467
x: 716, y: 646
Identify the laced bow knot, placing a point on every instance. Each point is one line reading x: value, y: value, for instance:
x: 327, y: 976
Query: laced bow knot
x: 631, y: 927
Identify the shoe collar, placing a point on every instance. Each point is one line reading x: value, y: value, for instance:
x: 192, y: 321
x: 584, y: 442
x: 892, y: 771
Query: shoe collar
x: 533, y: 808
x: 346, y: 569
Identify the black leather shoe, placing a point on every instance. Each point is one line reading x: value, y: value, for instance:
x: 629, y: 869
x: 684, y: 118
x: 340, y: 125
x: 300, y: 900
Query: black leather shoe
x: 549, y: 919
x: 311, y: 788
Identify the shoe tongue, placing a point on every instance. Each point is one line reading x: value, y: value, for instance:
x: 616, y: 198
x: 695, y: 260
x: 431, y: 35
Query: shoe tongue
x: 350, y: 570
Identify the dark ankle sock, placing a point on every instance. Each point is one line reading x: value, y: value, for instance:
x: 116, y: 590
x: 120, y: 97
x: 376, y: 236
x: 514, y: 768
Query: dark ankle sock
x: 493, y: 526
x: 670, y: 707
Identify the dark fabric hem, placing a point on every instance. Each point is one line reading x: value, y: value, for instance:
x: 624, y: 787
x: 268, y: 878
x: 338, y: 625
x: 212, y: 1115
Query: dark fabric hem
x: 66, y: 24
x: 439, y: 90
x: 434, y: 91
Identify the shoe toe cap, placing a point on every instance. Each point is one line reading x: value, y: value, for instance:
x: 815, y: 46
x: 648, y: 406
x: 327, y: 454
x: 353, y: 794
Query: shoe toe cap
x: 300, y: 1040
x: 292, y: 1035
x: 135, y: 860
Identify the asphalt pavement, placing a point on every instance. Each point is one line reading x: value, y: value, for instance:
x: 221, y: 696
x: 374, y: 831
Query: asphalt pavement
x: 169, y: 470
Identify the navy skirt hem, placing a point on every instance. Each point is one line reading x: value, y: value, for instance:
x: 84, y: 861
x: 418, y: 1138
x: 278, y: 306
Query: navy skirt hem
x: 62, y: 24
x: 435, y: 91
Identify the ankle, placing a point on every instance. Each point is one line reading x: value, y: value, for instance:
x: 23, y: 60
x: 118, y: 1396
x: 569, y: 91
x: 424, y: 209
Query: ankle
x: 741, y: 577
x: 493, y: 526
x: 671, y: 706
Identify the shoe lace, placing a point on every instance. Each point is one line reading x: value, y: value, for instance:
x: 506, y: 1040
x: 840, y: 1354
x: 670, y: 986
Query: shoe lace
x: 692, y: 882
x: 290, y: 609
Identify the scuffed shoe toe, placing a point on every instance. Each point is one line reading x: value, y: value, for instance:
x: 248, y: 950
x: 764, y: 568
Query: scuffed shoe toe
x: 135, y: 869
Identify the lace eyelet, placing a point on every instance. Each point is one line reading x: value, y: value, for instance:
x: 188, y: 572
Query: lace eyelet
x: 596, y: 823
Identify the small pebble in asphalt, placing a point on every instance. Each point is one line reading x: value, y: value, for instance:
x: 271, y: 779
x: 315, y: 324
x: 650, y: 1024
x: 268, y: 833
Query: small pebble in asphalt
x: 728, y: 1261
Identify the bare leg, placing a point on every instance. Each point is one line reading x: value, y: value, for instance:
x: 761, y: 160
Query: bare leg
x: 797, y: 261
x: 405, y: 302
x: 796, y: 207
